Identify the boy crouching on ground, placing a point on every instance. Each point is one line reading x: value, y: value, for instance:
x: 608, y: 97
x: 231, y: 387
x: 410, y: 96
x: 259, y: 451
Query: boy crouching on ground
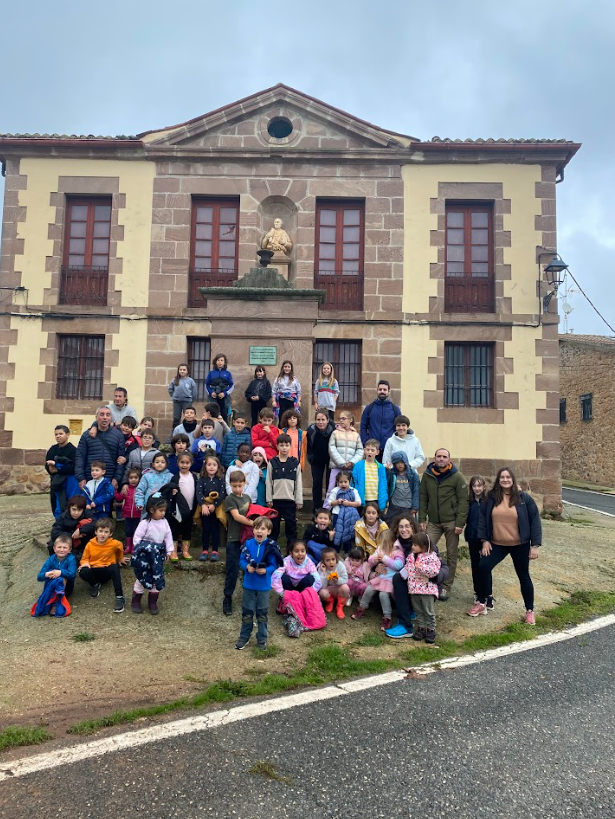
x: 101, y: 562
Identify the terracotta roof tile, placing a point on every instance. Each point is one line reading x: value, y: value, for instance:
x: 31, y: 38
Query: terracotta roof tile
x: 491, y: 141
x: 573, y: 338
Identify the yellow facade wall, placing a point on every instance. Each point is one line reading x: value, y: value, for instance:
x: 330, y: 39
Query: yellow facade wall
x: 136, y: 181
x: 516, y: 438
x: 32, y: 429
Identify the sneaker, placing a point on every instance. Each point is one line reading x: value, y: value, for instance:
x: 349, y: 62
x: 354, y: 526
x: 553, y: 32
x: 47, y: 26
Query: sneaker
x: 204, y: 556
x: 214, y: 557
x: 227, y: 606
x: 430, y: 636
x: 358, y: 613
x: 95, y: 589
x: 241, y: 644
x: 262, y: 646
x: 490, y: 602
x: 419, y: 633
x: 413, y: 615
x: 398, y: 632
x: 476, y: 610
x: 530, y: 619
x: 119, y: 605
x: 386, y: 623
x: 444, y: 595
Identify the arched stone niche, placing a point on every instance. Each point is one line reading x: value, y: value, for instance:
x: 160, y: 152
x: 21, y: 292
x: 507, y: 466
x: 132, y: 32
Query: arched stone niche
x: 280, y: 207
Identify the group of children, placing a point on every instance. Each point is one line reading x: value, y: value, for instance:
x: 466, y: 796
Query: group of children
x: 249, y: 481
x: 284, y: 393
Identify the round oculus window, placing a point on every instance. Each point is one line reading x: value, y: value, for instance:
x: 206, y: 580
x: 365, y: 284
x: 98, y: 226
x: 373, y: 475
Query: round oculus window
x: 280, y: 128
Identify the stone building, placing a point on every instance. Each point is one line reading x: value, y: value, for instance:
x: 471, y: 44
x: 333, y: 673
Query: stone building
x: 587, y: 408
x: 427, y: 251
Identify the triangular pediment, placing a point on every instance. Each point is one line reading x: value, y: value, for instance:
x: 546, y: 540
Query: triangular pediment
x: 247, y: 124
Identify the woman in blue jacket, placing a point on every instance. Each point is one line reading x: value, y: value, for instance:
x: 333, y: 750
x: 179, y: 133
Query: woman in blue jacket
x: 509, y: 524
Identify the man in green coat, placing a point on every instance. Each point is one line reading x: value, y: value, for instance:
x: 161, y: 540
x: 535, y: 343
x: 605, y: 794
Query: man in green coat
x: 444, y: 508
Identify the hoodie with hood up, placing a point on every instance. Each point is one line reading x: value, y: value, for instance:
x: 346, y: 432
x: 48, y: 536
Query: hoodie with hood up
x: 395, y: 484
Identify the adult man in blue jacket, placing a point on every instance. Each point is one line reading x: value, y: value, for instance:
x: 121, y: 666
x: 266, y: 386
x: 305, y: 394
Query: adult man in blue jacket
x: 107, y: 446
x: 378, y: 418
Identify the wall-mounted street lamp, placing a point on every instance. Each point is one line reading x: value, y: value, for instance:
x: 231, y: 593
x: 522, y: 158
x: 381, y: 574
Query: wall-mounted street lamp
x: 554, y: 272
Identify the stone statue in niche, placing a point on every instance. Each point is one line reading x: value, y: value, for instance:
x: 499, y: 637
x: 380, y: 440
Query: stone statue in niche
x: 277, y: 240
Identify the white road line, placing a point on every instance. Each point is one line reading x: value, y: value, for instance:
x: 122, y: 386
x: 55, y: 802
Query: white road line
x: 592, y: 491
x: 217, y: 719
x: 589, y: 508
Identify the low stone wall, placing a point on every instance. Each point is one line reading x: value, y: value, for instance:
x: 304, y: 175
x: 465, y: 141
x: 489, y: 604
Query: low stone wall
x: 21, y: 479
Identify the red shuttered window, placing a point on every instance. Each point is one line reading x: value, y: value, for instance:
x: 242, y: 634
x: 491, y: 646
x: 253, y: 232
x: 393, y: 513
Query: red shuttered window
x: 340, y: 243
x: 214, y: 245
x: 469, y: 258
x: 85, y: 267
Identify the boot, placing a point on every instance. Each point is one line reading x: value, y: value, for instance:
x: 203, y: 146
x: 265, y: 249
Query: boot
x: 339, y: 609
x: 173, y: 556
x: 430, y: 635
x: 329, y: 604
x: 186, y: 551
x: 128, y: 548
x: 419, y: 633
x: 152, y: 602
x: 135, y: 605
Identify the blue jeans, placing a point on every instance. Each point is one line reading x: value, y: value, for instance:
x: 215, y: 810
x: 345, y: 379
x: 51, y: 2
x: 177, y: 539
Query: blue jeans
x: 254, y: 603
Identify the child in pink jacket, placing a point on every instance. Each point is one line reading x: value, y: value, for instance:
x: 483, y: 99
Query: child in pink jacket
x: 298, y: 572
x: 358, y: 573
x: 422, y: 567
x: 386, y: 561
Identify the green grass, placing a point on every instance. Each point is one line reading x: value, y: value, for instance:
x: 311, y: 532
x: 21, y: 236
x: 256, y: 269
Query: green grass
x: 376, y: 638
x: 83, y: 637
x: 329, y: 662
x: 16, y: 735
x: 271, y: 651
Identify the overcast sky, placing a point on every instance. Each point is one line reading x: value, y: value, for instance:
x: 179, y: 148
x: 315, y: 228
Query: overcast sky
x: 478, y: 68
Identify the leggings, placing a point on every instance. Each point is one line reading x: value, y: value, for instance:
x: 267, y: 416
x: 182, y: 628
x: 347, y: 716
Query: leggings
x: 289, y: 585
x: 210, y: 526
x: 385, y: 600
x: 521, y: 561
x: 101, y: 574
x: 475, y: 547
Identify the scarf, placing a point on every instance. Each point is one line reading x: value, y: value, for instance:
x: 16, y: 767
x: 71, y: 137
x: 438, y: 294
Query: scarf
x: 441, y: 473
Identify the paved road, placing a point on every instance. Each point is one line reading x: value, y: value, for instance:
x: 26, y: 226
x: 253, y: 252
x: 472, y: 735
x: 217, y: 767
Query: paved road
x: 526, y: 736
x: 594, y: 500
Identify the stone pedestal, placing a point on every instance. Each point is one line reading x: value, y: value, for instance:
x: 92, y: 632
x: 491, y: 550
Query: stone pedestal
x: 263, y: 309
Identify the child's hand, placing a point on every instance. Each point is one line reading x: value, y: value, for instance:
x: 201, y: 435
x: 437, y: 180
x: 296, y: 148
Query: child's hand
x: 261, y: 571
x: 124, y: 489
x: 93, y: 432
x: 124, y: 561
x: 331, y: 534
x: 251, y: 569
x: 211, y: 508
x: 205, y: 509
x: 299, y: 505
x: 121, y: 460
x: 269, y: 504
x: 175, y: 491
x: 76, y: 534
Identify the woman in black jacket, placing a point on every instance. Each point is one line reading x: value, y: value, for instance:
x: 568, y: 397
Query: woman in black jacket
x: 258, y: 393
x: 509, y: 524
x: 318, y: 435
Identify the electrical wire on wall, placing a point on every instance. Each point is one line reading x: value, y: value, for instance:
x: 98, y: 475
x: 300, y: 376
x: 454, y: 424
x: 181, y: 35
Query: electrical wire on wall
x: 590, y: 302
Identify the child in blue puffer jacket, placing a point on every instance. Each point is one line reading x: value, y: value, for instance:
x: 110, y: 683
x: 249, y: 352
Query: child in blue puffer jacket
x: 152, y: 481
x: 219, y: 385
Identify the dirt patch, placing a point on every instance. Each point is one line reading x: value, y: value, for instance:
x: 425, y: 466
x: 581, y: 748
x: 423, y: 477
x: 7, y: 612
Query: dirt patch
x: 142, y: 660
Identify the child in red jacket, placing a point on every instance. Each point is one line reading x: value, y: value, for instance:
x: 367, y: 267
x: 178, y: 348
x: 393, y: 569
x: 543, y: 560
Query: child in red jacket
x: 265, y: 434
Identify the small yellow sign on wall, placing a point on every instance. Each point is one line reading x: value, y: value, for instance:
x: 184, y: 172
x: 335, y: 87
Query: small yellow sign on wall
x: 76, y: 426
